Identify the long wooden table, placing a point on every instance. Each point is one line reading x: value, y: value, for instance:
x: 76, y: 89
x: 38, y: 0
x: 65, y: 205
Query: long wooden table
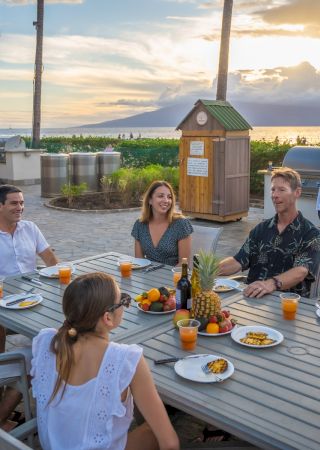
x: 271, y: 400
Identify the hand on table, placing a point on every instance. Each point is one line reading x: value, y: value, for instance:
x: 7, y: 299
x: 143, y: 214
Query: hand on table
x: 259, y: 288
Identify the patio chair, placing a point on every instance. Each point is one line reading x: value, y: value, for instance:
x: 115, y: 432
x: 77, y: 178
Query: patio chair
x: 9, y: 442
x: 205, y: 238
x: 315, y: 286
x: 16, y: 361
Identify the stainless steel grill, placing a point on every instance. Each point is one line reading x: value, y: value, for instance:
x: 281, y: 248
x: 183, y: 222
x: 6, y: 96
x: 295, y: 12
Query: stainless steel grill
x: 306, y: 161
x: 9, y: 143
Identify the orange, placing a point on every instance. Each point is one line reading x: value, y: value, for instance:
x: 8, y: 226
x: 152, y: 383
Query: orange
x: 212, y: 328
x: 154, y: 295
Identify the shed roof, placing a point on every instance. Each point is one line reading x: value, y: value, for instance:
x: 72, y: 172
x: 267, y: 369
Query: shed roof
x: 225, y: 113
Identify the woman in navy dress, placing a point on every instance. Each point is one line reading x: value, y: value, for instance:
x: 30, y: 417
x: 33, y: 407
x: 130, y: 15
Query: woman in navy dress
x: 161, y: 234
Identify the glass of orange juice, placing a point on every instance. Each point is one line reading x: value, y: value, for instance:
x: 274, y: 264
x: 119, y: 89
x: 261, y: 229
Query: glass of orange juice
x: 1, y: 286
x: 188, y: 330
x: 176, y: 271
x: 125, y: 265
x: 289, y: 303
x: 65, y: 271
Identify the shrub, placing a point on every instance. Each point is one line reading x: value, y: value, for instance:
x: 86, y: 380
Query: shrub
x: 73, y: 190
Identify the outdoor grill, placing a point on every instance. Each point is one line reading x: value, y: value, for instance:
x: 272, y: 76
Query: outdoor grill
x: 9, y: 143
x: 306, y: 161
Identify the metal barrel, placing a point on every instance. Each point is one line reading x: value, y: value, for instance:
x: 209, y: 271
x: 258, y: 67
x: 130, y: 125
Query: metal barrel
x: 54, y: 173
x: 83, y: 169
x: 107, y: 163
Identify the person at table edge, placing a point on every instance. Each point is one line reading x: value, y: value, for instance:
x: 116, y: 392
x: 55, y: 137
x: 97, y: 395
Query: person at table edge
x: 20, y: 242
x: 161, y: 234
x: 281, y: 253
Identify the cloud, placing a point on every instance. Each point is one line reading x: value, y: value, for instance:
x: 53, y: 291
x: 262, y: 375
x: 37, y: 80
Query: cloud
x: 32, y: 2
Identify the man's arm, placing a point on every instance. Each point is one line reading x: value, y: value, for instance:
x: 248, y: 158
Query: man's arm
x: 48, y: 257
x: 288, y: 279
x: 229, y: 266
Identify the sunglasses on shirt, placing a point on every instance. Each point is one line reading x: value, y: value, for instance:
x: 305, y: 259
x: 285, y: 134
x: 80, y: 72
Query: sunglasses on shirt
x: 125, y: 300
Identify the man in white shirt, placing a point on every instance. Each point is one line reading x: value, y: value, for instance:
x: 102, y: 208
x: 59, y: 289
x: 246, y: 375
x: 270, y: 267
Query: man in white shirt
x: 20, y: 243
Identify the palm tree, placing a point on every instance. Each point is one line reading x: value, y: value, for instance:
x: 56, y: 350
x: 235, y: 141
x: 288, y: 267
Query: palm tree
x: 224, y: 50
x: 37, y: 77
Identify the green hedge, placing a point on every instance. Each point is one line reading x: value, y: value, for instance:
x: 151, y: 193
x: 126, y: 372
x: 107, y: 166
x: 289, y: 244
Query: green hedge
x: 140, y: 153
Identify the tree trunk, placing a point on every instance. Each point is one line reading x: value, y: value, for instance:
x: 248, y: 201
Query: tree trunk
x: 224, y: 50
x: 37, y: 77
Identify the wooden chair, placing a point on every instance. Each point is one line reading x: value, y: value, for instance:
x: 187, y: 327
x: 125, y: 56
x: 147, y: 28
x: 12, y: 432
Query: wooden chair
x: 19, y: 381
x: 205, y: 238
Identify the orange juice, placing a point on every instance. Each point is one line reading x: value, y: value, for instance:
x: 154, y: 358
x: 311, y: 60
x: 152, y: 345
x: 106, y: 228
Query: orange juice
x: 125, y: 268
x: 65, y: 274
x: 1, y: 287
x: 176, y: 277
x: 289, y: 308
x: 188, y: 337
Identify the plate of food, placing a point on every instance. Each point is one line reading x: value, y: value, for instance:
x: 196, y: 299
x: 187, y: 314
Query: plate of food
x: 204, y: 333
x: 160, y: 300
x: 217, y: 368
x: 53, y: 271
x: 21, y: 301
x: 257, y: 336
x: 225, y: 285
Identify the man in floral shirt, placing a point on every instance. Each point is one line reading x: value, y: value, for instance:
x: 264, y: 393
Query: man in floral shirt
x: 281, y: 253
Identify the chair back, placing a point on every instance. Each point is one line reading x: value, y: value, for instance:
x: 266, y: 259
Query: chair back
x: 315, y: 286
x: 205, y: 238
x: 8, y: 442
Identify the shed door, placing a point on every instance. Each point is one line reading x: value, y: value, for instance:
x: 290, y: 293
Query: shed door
x: 196, y: 185
x: 232, y: 180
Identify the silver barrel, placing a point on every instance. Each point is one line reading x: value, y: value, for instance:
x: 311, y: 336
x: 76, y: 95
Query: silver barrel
x: 54, y: 173
x: 107, y: 163
x: 83, y: 169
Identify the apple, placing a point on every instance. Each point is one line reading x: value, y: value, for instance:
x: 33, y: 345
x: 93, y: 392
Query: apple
x: 213, y: 319
x: 226, y: 313
x: 229, y: 324
x: 180, y: 314
x: 223, y: 326
x: 144, y: 306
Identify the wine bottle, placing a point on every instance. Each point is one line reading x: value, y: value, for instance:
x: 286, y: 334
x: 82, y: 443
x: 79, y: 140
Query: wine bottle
x: 183, y: 290
x: 195, y: 280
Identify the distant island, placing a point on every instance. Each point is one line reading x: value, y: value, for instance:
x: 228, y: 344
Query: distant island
x: 256, y: 114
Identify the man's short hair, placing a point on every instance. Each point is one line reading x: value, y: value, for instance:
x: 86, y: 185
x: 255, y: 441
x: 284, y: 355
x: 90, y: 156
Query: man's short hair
x: 6, y: 189
x: 289, y: 175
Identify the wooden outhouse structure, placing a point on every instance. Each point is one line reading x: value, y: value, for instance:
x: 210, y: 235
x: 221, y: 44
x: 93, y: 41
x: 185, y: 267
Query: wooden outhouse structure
x: 214, y: 155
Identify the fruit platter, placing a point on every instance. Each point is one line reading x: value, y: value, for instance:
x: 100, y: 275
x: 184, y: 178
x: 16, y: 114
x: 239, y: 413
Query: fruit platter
x: 160, y: 300
x: 217, y: 324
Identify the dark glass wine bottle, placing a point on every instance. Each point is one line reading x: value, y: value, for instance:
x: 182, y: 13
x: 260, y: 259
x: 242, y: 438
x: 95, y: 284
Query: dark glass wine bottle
x: 183, y: 290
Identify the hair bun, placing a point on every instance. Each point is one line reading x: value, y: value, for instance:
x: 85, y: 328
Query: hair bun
x: 72, y: 332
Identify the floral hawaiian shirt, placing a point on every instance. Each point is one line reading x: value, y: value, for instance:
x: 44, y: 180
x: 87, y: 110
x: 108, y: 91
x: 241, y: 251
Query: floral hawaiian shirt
x: 267, y: 253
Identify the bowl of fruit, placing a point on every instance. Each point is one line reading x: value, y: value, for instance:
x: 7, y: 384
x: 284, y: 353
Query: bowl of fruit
x: 217, y: 325
x: 160, y: 300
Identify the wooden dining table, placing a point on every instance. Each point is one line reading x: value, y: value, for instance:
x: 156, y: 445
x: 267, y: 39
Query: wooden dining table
x: 271, y: 400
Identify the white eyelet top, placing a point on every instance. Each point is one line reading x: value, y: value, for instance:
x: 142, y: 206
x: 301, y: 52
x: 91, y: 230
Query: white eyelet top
x: 90, y: 416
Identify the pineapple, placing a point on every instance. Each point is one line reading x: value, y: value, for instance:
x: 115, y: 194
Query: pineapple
x: 206, y: 303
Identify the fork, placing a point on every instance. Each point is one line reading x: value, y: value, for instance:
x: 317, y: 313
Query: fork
x: 207, y: 371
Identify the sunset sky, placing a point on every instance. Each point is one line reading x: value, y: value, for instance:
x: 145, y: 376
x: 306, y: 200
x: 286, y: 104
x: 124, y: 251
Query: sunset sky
x: 108, y: 59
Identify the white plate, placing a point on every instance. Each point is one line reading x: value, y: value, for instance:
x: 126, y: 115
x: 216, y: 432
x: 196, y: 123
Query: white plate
x: 138, y: 263
x: 318, y: 312
x: 240, y: 332
x: 52, y: 272
x: 154, y: 312
x: 190, y: 368
x: 24, y: 297
x: 204, y: 333
x: 232, y: 284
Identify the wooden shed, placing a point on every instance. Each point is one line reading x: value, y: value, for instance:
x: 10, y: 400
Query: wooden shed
x: 214, y: 154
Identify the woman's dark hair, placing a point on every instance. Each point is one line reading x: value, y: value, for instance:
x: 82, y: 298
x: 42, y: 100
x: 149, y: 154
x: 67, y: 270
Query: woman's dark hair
x: 84, y: 301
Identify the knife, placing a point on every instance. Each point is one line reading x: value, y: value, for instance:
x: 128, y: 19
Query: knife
x: 33, y: 280
x: 175, y: 359
x: 155, y: 267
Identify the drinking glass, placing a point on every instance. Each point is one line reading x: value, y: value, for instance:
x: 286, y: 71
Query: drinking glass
x: 188, y: 330
x: 65, y: 271
x: 176, y: 274
x: 1, y: 286
x: 125, y: 265
x: 289, y: 303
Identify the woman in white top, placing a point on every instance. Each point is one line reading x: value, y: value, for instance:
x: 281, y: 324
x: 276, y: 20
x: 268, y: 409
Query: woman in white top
x: 84, y: 384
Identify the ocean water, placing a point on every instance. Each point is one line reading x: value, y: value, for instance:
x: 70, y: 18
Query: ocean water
x: 290, y: 134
